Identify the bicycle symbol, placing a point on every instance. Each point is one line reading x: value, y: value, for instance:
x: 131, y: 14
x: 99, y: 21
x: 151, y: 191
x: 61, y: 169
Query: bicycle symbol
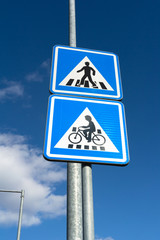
x: 76, y: 137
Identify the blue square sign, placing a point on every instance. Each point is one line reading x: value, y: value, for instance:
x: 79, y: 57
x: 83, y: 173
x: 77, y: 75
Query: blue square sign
x: 83, y: 72
x: 86, y: 130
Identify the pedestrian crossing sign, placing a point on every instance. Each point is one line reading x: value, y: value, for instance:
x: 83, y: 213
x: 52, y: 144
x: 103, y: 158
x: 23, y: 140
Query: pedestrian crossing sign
x: 86, y: 130
x: 82, y: 72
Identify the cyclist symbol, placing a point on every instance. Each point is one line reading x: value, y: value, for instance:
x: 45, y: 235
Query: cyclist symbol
x: 88, y: 132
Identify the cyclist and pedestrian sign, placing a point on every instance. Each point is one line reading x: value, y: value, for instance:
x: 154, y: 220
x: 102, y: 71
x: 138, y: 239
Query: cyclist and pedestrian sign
x: 85, y: 72
x: 81, y: 129
x: 85, y: 130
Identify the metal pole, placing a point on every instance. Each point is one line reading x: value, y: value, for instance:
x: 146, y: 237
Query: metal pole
x: 88, y: 216
x: 20, y: 215
x: 74, y: 202
x: 74, y: 175
x: 20, y: 209
x: 72, y: 23
x: 10, y: 191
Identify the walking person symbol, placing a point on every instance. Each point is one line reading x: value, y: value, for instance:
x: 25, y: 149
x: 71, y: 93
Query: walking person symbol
x: 87, y: 73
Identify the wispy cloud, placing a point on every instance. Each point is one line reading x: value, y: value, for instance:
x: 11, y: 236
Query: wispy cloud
x: 40, y: 73
x: 23, y: 167
x: 107, y: 238
x: 10, y: 90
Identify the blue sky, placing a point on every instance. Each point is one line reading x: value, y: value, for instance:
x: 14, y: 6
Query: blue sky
x: 126, y: 199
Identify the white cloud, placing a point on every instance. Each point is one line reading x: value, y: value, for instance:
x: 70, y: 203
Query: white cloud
x: 34, y: 77
x: 107, y: 238
x: 23, y: 167
x: 11, y: 90
x: 46, y: 64
x: 40, y: 73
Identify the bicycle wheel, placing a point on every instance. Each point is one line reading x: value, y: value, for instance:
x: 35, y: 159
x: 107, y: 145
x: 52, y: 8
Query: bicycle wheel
x: 98, y: 139
x: 75, y: 138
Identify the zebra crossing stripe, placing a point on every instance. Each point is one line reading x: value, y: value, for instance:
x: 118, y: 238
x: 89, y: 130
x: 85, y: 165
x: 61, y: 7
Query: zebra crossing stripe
x: 86, y: 147
x: 74, y: 83
x: 69, y: 83
x: 102, y: 85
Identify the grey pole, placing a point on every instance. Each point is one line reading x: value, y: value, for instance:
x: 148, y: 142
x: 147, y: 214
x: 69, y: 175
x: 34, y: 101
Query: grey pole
x: 72, y: 23
x: 74, y: 175
x: 88, y: 216
x: 20, y: 209
x: 74, y: 202
x: 20, y: 215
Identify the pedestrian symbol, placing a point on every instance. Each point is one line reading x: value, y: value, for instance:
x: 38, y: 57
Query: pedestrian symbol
x: 85, y: 72
x: 86, y: 134
x: 86, y: 75
x: 86, y: 130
